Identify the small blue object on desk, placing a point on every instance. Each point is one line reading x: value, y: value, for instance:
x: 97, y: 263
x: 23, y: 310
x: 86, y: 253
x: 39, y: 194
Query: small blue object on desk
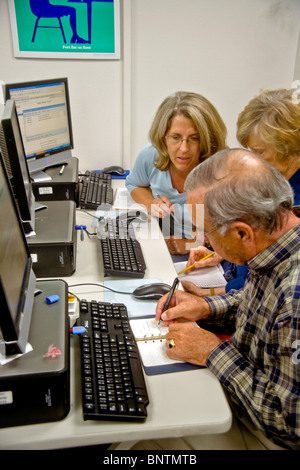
x: 81, y: 228
x: 51, y: 299
x: 120, y: 177
x: 117, y: 177
x: 77, y: 330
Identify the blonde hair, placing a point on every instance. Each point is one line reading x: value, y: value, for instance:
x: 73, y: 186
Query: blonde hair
x: 211, y: 128
x: 275, y: 119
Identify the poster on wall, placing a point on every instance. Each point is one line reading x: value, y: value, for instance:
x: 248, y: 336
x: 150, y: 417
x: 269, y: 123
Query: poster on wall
x: 65, y: 29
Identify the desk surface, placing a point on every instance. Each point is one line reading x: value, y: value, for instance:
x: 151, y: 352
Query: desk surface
x: 181, y: 403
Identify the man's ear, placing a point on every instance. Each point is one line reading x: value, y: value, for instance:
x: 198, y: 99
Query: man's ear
x: 242, y: 231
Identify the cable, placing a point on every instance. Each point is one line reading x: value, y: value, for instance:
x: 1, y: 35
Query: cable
x: 91, y: 215
x: 90, y: 234
x: 99, y: 285
x: 76, y: 296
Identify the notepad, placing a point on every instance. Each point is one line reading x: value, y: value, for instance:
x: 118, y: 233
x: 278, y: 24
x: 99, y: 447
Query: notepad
x: 149, y: 336
x: 211, y: 276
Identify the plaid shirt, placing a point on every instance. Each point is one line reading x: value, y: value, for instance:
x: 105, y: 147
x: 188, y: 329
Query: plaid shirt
x: 260, y: 365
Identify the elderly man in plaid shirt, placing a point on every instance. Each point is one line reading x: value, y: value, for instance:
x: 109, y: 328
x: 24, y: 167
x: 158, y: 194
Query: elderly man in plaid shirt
x: 248, y: 219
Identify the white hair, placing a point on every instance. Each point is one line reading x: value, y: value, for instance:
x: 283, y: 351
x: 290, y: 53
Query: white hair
x: 239, y: 185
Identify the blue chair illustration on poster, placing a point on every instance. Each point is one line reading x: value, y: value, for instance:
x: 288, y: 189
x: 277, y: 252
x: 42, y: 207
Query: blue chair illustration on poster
x: 44, y: 9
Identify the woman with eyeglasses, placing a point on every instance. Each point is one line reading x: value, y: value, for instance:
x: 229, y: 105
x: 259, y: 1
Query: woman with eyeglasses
x: 186, y: 130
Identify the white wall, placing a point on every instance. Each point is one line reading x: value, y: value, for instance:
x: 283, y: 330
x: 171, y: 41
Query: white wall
x: 226, y: 50
x: 297, y: 63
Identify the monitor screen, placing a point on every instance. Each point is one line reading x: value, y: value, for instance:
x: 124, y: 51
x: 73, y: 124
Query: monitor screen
x: 11, y: 147
x: 43, y: 109
x: 17, y: 279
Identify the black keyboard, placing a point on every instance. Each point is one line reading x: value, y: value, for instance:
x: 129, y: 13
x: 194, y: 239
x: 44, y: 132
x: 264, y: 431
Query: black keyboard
x: 113, y: 385
x: 96, y: 191
x: 121, y: 251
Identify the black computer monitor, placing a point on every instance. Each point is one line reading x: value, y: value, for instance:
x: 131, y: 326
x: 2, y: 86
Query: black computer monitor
x: 44, y: 113
x: 11, y: 147
x: 17, y: 279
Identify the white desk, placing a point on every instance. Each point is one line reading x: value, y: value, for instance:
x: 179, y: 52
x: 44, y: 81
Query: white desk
x: 181, y: 404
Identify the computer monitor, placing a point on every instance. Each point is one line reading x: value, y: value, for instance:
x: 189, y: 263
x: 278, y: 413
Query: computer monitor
x: 17, y: 279
x: 11, y: 148
x: 44, y: 113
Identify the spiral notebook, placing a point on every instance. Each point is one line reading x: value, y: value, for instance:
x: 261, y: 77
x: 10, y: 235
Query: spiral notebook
x: 151, y: 342
x: 211, y: 276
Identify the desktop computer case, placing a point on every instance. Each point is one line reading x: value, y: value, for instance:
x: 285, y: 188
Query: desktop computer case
x: 53, y: 248
x: 62, y: 187
x: 35, y: 387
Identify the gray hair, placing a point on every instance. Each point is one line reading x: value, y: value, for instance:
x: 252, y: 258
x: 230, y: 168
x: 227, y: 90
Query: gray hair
x: 239, y: 185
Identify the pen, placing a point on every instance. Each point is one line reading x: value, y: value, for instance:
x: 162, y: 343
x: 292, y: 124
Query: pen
x: 192, y: 265
x: 166, y: 306
x: 62, y: 170
x: 160, y: 198
x: 172, y: 217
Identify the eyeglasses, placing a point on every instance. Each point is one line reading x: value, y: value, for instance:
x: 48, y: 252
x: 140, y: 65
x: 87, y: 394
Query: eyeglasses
x: 177, y: 140
x: 211, y: 231
x: 203, y: 234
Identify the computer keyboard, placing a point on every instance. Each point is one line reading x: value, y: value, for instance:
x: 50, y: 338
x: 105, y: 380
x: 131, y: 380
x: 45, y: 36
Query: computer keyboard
x: 113, y: 385
x: 96, y: 191
x: 121, y: 251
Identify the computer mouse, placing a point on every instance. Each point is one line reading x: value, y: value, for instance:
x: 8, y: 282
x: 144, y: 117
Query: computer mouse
x: 141, y: 216
x: 152, y: 291
x: 131, y: 216
x: 114, y: 170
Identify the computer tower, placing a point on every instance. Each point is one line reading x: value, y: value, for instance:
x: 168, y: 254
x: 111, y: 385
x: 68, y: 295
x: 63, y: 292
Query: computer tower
x: 53, y: 248
x: 35, y: 387
x: 62, y: 187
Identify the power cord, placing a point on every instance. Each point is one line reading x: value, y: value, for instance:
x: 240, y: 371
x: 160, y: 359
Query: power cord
x: 98, y: 285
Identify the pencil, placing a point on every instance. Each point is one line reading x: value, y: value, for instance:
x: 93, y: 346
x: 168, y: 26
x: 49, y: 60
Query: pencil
x: 192, y: 265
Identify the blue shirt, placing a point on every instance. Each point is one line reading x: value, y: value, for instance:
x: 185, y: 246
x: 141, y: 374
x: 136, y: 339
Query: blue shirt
x: 295, y: 183
x: 145, y: 174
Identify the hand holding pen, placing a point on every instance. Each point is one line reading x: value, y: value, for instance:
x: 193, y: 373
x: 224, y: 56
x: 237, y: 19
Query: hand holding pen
x: 164, y: 209
x: 167, y: 304
x: 181, y: 307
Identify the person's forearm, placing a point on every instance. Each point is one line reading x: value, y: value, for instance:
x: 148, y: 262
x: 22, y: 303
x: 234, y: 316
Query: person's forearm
x: 143, y: 196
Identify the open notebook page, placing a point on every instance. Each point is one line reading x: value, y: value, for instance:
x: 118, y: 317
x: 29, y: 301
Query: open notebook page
x: 206, y: 277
